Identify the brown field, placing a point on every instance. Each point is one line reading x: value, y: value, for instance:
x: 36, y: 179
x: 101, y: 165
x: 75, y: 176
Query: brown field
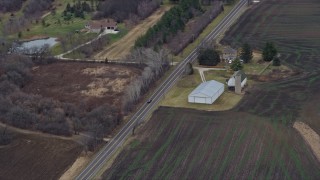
x: 190, y: 144
x: 290, y: 26
x: 90, y: 83
x: 31, y: 156
x: 122, y: 47
x: 255, y: 140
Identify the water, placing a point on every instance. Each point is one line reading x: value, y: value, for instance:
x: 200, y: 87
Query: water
x: 31, y: 47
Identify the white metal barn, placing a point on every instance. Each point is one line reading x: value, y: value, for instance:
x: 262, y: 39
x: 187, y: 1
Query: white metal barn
x: 206, y: 92
x: 232, y: 81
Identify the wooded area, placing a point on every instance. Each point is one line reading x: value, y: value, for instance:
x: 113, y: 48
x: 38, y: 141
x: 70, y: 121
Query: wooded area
x: 174, y: 28
x: 125, y: 9
x: 35, y: 112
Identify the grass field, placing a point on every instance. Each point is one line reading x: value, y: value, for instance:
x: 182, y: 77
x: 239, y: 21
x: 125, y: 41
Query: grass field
x: 56, y: 25
x: 35, y: 157
x: 92, y: 84
x: 189, y: 144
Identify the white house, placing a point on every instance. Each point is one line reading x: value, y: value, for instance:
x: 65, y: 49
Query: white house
x: 229, y: 54
x: 107, y: 25
x: 206, y: 92
x: 232, y: 81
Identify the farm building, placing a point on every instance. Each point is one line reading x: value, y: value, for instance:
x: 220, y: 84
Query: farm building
x: 237, y: 81
x: 206, y: 92
x: 107, y: 25
x: 229, y: 54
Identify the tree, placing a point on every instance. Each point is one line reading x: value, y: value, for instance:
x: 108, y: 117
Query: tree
x: 276, y: 61
x: 246, y: 53
x: 19, y: 34
x: 188, y: 69
x: 236, y: 65
x: 209, y: 57
x: 269, y: 52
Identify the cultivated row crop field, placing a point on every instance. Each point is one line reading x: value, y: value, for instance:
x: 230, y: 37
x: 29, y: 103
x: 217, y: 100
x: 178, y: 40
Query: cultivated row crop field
x: 189, y: 144
x: 293, y: 26
x: 255, y: 140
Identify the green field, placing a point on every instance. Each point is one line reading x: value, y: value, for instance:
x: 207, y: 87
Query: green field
x: 189, y: 144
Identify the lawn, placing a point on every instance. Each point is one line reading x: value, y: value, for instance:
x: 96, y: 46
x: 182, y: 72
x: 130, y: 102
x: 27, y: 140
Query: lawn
x: 190, y: 144
x: 55, y: 26
x: 178, y: 95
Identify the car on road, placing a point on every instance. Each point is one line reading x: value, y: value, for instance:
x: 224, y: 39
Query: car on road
x: 149, y: 101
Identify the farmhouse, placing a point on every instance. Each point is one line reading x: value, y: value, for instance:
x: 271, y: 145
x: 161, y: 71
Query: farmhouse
x: 102, y: 25
x: 229, y: 54
x: 206, y: 92
x: 238, y: 80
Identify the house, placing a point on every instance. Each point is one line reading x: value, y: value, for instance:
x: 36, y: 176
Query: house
x: 237, y: 81
x: 102, y: 25
x: 206, y: 92
x: 229, y: 54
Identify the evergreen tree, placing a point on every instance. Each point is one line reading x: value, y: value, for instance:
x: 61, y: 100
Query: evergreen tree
x: 246, y: 53
x: 68, y: 8
x: 208, y: 57
x: 236, y: 65
x: 276, y: 61
x: 269, y: 52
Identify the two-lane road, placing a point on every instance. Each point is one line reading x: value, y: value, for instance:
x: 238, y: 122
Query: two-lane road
x: 106, y: 152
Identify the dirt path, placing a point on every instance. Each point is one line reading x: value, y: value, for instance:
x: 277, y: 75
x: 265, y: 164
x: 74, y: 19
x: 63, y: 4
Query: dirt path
x: 310, y: 136
x: 25, y: 131
x: 122, y: 47
x: 75, y: 169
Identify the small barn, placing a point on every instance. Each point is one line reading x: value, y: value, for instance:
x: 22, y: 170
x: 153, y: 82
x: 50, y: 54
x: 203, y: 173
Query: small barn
x: 206, y: 92
x: 237, y: 81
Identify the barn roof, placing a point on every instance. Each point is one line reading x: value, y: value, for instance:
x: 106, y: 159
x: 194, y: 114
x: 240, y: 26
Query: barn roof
x: 241, y: 73
x: 102, y: 23
x: 229, y: 50
x: 207, y: 89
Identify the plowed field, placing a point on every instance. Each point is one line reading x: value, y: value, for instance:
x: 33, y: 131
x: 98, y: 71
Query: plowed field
x: 190, y: 144
x: 255, y: 140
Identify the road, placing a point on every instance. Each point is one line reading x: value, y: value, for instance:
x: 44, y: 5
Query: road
x: 106, y: 152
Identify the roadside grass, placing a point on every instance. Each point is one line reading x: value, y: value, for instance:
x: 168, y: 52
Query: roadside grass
x: 186, y: 51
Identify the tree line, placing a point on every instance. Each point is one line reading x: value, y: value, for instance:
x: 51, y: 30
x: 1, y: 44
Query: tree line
x: 121, y: 10
x: 78, y: 9
x: 170, y: 23
x: 184, y: 37
x: 10, y: 5
x: 156, y: 63
x: 34, y: 112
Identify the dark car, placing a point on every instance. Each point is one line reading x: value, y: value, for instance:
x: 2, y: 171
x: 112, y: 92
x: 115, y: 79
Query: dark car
x: 149, y: 101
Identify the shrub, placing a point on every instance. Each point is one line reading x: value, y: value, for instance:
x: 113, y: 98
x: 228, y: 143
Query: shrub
x: 236, y: 65
x: 208, y: 57
x: 276, y: 61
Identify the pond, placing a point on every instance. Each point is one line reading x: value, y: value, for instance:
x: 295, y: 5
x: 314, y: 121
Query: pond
x: 29, y: 47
